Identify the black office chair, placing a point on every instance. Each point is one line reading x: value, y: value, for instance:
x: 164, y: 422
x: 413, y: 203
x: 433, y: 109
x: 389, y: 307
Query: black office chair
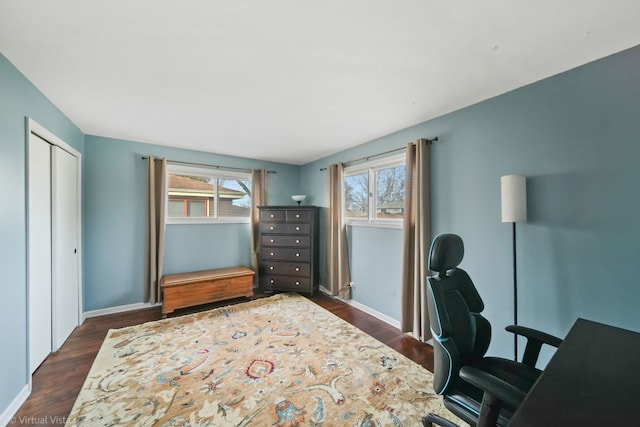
x: 482, y: 391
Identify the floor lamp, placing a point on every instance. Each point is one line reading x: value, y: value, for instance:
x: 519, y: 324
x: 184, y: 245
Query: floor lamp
x: 514, y: 209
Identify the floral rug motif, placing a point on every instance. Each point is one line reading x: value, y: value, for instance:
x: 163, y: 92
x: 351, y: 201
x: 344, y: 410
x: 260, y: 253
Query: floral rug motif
x: 277, y: 361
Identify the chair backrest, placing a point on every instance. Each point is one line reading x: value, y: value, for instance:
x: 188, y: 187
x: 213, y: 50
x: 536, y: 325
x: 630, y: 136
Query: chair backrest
x: 461, y: 335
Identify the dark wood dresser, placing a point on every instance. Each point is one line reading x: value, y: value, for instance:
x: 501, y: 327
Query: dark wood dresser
x: 289, y: 248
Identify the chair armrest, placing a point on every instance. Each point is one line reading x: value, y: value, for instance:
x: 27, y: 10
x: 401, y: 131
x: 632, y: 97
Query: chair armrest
x: 535, y: 339
x: 535, y: 334
x: 493, y: 385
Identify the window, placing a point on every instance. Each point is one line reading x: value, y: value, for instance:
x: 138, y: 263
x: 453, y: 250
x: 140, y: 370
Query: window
x: 203, y: 195
x: 374, y: 192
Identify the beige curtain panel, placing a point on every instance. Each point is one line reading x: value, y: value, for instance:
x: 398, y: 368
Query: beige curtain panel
x: 416, y: 240
x: 338, y: 274
x: 154, y: 254
x: 258, y: 198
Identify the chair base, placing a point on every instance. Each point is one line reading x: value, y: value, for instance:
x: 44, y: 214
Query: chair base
x: 431, y: 419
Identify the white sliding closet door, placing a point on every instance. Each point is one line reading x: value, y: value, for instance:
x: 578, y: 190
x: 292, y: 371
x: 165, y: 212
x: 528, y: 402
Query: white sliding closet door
x: 65, y: 235
x: 54, y: 255
x: 39, y: 218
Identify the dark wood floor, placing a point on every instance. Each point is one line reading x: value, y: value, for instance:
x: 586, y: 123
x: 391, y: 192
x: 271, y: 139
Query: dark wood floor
x: 58, y: 380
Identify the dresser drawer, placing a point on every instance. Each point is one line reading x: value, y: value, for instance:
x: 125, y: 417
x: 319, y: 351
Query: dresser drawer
x: 285, y: 228
x: 286, y: 254
x: 283, y: 240
x: 269, y: 215
x: 302, y: 284
x: 298, y: 215
x: 287, y: 268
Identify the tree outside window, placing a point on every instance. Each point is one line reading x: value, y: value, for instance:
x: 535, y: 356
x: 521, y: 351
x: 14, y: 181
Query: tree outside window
x: 374, y: 191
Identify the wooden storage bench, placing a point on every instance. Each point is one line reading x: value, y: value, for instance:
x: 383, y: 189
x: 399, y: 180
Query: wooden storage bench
x: 202, y: 287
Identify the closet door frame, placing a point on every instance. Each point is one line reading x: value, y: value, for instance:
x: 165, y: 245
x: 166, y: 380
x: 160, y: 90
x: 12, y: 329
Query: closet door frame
x: 32, y: 127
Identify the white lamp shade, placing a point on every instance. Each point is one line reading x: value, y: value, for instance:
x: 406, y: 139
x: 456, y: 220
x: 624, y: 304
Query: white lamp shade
x: 514, y: 198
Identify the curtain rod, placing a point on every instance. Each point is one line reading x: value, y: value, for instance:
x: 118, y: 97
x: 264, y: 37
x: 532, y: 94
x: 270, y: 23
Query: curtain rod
x: 379, y: 154
x: 208, y: 166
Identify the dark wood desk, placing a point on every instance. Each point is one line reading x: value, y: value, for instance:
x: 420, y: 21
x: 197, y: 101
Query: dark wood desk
x: 592, y: 379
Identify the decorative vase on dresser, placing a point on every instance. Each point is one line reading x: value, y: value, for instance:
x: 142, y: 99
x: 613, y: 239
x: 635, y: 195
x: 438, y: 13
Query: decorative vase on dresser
x: 288, y: 248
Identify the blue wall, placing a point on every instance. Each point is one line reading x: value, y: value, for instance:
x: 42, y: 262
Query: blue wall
x: 575, y: 136
x: 114, y: 215
x: 19, y: 99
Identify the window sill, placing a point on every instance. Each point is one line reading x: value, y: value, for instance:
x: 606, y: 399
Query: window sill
x: 173, y: 221
x: 375, y: 224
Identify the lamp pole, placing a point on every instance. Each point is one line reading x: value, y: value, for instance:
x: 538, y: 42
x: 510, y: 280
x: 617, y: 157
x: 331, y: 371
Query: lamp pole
x: 515, y: 294
x: 514, y: 209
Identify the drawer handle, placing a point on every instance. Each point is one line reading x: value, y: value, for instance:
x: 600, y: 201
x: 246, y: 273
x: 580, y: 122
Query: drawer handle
x: 297, y: 283
x: 271, y: 253
x: 297, y: 241
x: 297, y: 254
x: 271, y: 228
x: 297, y: 215
x: 271, y: 268
x: 272, y: 215
x: 297, y: 228
x: 271, y: 280
x: 271, y: 241
x: 297, y: 268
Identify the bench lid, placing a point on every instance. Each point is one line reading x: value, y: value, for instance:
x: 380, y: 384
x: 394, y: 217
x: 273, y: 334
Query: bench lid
x: 196, y: 276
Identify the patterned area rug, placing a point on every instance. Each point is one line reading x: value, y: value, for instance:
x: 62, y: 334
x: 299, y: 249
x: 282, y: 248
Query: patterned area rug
x: 277, y: 361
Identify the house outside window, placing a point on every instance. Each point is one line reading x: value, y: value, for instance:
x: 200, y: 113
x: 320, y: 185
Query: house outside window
x: 203, y: 195
x: 374, y: 192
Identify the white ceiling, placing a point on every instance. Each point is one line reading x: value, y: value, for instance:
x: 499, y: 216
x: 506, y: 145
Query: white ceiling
x: 294, y: 80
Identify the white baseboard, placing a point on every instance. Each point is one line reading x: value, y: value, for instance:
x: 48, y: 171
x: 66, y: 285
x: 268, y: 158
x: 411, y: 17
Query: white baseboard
x: 117, y: 309
x: 387, y: 319
x: 381, y: 316
x: 8, y: 416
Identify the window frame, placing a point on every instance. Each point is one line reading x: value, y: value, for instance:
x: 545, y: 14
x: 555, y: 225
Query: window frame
x: 213, y: 172
x: 371, y: 167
